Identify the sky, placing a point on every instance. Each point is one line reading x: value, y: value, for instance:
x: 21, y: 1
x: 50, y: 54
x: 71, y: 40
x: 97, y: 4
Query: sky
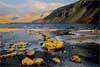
x: 21, y: 7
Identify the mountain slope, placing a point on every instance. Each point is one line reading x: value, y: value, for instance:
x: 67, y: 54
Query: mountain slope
x: 83, y: 11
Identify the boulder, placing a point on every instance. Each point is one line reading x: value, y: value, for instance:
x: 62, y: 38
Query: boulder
x: 53, y: 45
x: 76, y: 58
x: 30, y: 53
x: 56, y: 60
x: 27, y: 61
x: 38, y: 61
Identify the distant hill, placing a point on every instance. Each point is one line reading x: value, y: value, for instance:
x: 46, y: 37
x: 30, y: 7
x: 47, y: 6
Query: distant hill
x: 83, y: 11
x: 5, y: 19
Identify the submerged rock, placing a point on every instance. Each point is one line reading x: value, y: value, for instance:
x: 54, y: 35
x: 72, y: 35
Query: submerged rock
x: 88, y: 51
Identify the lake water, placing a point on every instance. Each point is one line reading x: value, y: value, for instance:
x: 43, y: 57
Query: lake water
x: 49, y: 25
x: 32, y: 36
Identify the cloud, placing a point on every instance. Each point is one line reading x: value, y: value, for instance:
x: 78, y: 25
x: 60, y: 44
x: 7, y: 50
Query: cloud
x: 40, y: 6
x: 2, y: 5
x: 30, y: 6
x: 6, y: 8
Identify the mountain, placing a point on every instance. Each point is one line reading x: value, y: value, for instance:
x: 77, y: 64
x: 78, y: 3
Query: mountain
x: 39, y: 20
x: 24, y: 19
x: 82, y: 11
x: 6, y: 19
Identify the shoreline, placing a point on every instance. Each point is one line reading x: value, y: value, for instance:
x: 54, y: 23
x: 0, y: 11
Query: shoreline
x: 44, y: 29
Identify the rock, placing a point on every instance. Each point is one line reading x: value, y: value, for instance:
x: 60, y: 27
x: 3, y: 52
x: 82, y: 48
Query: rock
x: 65, y: 52
x: 38, y: 61
x: 53, y: 45
x: 56, y: 60
x: 76, y: 58
x: 88, y: 50
x: 27, y: 61
x: 21, y: 46
x: 8, y: 55
x: 30, y: 53
x: 12, y: 48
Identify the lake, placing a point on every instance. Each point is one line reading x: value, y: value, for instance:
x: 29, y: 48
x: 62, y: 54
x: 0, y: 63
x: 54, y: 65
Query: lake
x: 32, y: 33
x: 50, y: 25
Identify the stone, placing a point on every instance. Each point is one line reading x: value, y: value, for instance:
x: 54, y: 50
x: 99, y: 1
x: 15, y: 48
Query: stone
x: 38, y: 61
x: 12, y: 48
x: 53, y: 45
x: 30, y: 53
x: 56, y: 60
x: 76, y: 58
x: 27, y: 61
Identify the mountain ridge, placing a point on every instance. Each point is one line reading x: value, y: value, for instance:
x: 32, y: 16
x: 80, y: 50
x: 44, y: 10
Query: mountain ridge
x: 82, y: 11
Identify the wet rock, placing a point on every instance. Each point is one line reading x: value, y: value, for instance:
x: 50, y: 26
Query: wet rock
x: 27, y: 61
x: 52, y: 46
x: 22, y: 49
x: 12, y: 48
x: 21, y: 46
x: 30, y: 53
x: 76, y: 58
x: 38, y: 61
x: 88, y: 51
x: 65, y: 52
x: 8, y: 55
x: 56, y: 60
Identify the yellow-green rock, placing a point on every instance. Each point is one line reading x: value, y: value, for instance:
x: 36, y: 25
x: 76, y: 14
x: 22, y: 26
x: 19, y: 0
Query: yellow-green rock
x: 31, y: 53
x: 27, y: 61
x: 53, y: 45
x: 65, y: 52
x: 76, y: 58
x: 56, y: 60
x: 21, y: 46
x: 38, y: 61
x: 12, y: 48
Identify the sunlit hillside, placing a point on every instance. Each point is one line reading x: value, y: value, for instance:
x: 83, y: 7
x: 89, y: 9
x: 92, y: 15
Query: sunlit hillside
x: 25, y: 18
x: 6, y: 19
